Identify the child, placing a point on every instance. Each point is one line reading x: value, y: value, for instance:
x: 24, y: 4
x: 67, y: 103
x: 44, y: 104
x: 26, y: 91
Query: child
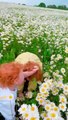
x: 29, y: 60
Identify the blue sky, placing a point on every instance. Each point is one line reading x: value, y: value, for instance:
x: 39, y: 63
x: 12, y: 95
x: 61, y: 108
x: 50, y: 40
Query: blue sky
x: 35, y: 2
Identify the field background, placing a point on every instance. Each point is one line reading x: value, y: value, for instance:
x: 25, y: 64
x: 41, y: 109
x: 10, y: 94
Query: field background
x: 41, y: 31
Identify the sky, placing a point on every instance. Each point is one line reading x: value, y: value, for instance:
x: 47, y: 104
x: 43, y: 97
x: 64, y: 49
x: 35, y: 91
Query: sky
x: 36, y: 2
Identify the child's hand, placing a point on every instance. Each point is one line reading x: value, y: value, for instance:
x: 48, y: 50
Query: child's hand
x: 29, y: 73
x: 25, y: 74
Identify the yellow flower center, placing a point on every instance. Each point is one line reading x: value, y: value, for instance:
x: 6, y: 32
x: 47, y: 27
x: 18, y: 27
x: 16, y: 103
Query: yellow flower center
x: 62, y: 107
x: 23, y: 109
x: 56, y: 109
x: 44, y: 114
x: 39, y: 94
x: 45, y: 85
x: 10, y: 97
x: 2, y: 97
x: 62, y: 100
x: 26, y: 115
x: 33, y: 118
x: 32, y: 108
x: 47, y: 107
x: 41, y: 101
x: 47, y: 118
x: 60, y: 85
x: 53, y: 115
x: 43, y: 90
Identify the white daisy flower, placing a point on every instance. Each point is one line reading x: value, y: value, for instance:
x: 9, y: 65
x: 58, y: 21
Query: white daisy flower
x: 62, y: 107
x: 47, y: 107
x: 66, y: 49
x: 62, y: 99
x: 63, y: 70
x: 22, y: 109
x: 53, y: 115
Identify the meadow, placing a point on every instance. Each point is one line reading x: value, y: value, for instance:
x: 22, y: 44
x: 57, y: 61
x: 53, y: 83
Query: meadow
x: 44, y: 32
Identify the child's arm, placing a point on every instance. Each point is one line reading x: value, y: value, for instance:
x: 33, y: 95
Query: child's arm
x: 25, y: 74
x: 22, y: 77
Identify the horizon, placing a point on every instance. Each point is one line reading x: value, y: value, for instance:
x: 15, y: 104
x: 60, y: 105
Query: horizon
x: 35, y: 2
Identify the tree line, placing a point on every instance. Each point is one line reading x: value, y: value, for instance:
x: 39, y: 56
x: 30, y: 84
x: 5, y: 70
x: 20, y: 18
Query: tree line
x: 63, y: 7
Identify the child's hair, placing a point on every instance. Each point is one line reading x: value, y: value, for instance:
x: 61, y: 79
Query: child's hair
x: 29, y: 66
x: 9, y: 73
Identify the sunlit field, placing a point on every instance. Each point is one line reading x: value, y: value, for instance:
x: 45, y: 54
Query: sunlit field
x: 44, y: 32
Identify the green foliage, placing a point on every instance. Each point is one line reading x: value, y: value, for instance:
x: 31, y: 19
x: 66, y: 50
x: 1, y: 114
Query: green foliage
x: 62, y: 7
x: 42, y: 5
x: 46, y: 51
x: 8, y: 56
x: 54, y: 98
x: 30, y: 101
x: 1, y: 44
x: 51, y: 6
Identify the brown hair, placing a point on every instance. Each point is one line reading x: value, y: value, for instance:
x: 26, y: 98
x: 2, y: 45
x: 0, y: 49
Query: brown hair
x: 29, y: 66
x: 9, y: 73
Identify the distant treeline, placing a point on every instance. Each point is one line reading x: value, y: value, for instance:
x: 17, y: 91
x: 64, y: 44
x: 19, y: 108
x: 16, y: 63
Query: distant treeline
x: 63, y: 7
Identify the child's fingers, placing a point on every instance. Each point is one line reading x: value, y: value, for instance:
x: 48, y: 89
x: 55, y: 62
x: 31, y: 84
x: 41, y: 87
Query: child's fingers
x: 29, y: 73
